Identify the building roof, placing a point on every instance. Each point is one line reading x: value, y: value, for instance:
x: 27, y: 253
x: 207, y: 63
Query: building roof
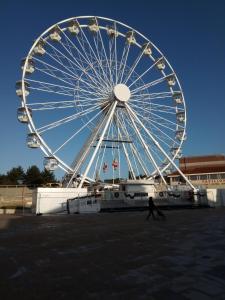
x: 200, y: 170
x: 203, y: 158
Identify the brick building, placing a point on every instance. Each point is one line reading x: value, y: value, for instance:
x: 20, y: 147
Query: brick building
x: 208, y: 170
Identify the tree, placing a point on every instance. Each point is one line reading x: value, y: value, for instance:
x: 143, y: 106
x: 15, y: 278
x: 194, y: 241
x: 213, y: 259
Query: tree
x: 33, y: 176
x: 15, y: 175
x: 47, y: 176
x: 4, y: 179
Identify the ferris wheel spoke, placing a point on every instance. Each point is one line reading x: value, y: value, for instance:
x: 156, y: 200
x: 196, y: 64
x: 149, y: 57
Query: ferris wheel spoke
x: 159, y: 107
x: 100, y: 60
x: 121, y: 62
x: 79, y: 67
x: 165, y: 107
x: 145, y: 146
x: 156, y: 115
x: 56, y: 72
x: 133, y: 67
x: 55, y: 105
x: 115, y: 51
x: 101, y: 80
x: 58, y: 55
x: 78, y: 131
x: 87, y: 99
x: 53, y: 71
x: 124, y: 63
x: 50, y: 105
x: 67, y: 119
x: 143, y: 74
x: 52, y: 74
x: 162, y: 136
x: 152, y: 96
x: 106, y: 80
x: 105, y: 55
x: 82, y: 68
x: 150, y: 84
x: 154, y: 120
x: 47, y: 86
x: 156, y: 152
x: 111, y: 59
x: 157, y: 138
x: 50, y: 87
x: 160, y: 110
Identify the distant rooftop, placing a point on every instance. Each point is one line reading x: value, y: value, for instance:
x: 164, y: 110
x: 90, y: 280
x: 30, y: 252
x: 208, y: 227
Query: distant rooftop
x: 201, y: 164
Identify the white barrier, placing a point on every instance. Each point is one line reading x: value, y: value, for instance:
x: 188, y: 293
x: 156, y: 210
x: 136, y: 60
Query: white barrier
x: 53, y: 200
x: 88, y: 204
x: 216, y: 197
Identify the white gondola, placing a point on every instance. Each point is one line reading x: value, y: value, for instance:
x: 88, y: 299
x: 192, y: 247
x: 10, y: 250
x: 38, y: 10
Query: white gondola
x: 178, y: 97
x: 55, y: 34
x: 39, y: 48
x: 73, y: 27
x: 168, y: 171
x: 22, y: 114
x: 180, y: 135
x: 165, y: 163
x: 130, y: 37
x: 19, y: 90
x: 175, y: 152
x: 33, y: 140
x: 50, y: 163
x: 29, y: 67
x: 112, y: 32
x: 181, y: 117
x: 146, y: 48
x: 160, y: 64
x: 171, y: 80
x: 93, y: 25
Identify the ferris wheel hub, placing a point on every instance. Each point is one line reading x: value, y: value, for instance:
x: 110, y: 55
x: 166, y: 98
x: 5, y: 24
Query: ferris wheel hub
x: 122, y: 92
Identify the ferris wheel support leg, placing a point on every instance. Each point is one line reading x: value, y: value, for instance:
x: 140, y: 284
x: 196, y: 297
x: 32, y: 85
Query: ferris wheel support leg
x: 146, y: 147
x: 161, y: 149
x: 82, y: 155
x: 109, y: 116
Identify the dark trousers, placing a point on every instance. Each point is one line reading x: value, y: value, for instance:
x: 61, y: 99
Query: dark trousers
x: 151, y: 212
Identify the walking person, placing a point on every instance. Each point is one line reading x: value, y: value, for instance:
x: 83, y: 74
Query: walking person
x: 152, y: 207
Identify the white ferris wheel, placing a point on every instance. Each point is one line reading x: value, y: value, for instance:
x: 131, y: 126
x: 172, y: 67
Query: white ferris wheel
x: 101, y: 100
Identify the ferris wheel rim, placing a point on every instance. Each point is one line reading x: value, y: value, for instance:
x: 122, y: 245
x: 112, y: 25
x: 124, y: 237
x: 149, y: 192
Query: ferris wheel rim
x: 44, y: 146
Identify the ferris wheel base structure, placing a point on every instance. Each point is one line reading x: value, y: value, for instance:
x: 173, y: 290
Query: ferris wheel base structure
x: 128, y: 197
x: 101, y: 100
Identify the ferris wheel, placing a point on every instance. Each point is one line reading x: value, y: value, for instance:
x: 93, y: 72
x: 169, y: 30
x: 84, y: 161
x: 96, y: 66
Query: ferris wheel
x: 101, y: 100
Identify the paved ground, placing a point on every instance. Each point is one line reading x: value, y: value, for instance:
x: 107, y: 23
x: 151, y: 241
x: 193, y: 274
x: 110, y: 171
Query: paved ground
x: 114, y: 256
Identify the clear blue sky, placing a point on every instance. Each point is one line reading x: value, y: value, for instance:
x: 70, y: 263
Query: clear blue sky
x: 190, y: 33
